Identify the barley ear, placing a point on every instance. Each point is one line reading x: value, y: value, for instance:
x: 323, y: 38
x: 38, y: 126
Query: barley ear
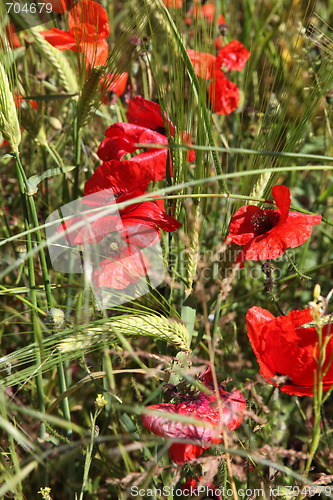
x: 9, y: 124
x: 59, y: 62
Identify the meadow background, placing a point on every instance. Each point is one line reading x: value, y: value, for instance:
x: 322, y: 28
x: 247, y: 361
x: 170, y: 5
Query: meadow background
x: 280, y: 133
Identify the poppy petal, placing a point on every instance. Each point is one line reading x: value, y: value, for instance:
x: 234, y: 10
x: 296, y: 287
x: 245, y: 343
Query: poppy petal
x: 155, y: 160
x: 241, y: 229
x: 122, y: 270
x: 181, y: 453
x: 281, y: 195
x: 147, y: 114
x: 203, y: 63
x: 121, y: 138
x: 223, y: 94
x: 233, y: 55
x: 88, y: 13
x: 61, y: 40
x: 150, y: 213
x: 126, y: 179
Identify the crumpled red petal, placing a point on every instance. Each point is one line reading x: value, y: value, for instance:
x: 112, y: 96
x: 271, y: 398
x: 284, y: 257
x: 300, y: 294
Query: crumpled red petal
x: 233, y: 55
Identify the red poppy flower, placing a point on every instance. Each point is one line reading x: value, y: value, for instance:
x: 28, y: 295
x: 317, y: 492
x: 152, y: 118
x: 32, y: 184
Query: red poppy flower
x: 233, y: 56
x: 88, y: 30
x: 223, y: 94
x: 267, y: 233
x: 115, y: 182
x: 190, y: 489
x: 113, y: 84
x: 203, y: 407
x: 121, y: 270
x: 146, y: 126
x: 283, y: 346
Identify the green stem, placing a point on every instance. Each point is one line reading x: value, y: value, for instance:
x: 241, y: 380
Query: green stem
x: 293, y: 265
x: 32, y: 207
x: 317, y: 400
x: 33, y: 295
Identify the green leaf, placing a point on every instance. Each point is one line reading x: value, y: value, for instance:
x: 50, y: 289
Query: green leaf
x: 34, y: 180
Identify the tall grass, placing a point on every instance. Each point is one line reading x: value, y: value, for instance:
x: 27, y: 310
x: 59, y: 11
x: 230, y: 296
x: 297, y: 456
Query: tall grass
x: 61, y: 349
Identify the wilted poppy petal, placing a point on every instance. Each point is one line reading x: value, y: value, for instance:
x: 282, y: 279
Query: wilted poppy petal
x: 202, y: 407
x: 233, y: 55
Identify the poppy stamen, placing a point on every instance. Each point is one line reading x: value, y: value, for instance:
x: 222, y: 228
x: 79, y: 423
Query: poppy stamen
x: 265, y: 221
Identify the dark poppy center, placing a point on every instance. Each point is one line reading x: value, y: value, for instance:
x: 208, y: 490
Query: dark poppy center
x: 161, y: 130
x: 264, y: 221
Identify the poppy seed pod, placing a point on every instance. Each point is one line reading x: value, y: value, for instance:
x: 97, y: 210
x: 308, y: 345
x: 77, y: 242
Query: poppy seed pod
x: 211, y: 411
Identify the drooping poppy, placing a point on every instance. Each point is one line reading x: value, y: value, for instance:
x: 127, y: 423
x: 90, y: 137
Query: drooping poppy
x: 88, y: 30
x: 203, y: 407
x: 116, y: 182
x: 121, y: 269
x: 287, y: 346
x: 223, y: 93
x: 267, y: 233
x: 146, y: 126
